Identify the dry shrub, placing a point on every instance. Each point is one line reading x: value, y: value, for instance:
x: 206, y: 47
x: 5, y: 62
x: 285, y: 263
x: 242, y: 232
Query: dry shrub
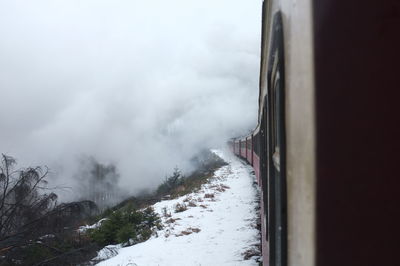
x: 165, y: 212
x: 172, y: 220
x: 248, y: 254
x: 186, y: 233
x: 180, y: 207
x: 179, y: 189
x: 192, y: 204
x: 209, y: 195
x: 195, y: 230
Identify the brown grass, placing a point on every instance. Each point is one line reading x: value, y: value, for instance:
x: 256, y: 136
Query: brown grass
x: 225, y: 186
x: 172, y: 220
x: 180, y: 207
x: 195, y: 230
x: 192, y: 204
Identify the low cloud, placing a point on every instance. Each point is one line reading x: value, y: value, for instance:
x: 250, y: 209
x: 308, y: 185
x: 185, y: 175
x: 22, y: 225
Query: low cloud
x: 143, y: 85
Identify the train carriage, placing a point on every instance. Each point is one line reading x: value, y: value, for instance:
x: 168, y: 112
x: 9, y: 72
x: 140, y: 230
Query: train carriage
x: 325, y: 147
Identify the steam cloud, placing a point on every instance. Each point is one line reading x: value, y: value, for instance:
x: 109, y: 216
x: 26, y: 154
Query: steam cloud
x: 140, y: 84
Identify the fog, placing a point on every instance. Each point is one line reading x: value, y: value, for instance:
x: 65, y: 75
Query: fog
x: 143, y: 85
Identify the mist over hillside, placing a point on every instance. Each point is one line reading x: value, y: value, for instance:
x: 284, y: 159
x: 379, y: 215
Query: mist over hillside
x: 141, y: 85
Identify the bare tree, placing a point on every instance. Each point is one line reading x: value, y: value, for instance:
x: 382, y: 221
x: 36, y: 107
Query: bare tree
x: 23, y: 198
x: 98, y: 182
x: 31, y: 220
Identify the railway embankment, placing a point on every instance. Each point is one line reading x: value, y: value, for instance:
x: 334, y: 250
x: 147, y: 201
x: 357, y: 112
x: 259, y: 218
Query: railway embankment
x: 215, y: 224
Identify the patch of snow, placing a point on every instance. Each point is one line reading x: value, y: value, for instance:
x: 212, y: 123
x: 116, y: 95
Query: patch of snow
x: 93, y: 226
x: 107, y: 252
x: 217, y: 228
x: 47, y: 236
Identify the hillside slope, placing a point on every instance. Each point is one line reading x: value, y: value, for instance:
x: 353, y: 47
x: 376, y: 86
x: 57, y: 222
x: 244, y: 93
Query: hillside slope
x: 214, y: 226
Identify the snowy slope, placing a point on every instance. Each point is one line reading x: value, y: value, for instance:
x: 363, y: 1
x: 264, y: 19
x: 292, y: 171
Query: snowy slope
x: 217, y: 231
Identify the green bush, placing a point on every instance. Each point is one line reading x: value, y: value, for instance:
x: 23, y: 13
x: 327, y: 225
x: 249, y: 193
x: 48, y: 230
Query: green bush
x: 150, y: 218
x: 125, y: 233
x: 124, y: 224
x: 171, y: 182
x: 35, y: 253
x: 145, y: 234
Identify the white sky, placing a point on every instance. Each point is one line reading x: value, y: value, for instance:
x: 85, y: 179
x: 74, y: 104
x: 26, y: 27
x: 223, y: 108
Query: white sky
x: 143, y: 84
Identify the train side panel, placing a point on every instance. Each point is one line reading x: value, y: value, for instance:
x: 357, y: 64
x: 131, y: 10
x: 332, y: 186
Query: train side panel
x: 299, y: 120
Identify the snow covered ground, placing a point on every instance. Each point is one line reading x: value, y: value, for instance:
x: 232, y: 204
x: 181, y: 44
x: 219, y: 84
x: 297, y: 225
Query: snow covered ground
x: 218, y: 227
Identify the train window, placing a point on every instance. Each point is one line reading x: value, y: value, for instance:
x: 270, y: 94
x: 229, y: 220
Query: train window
x: 256, y: 143
x: 276, y: 147
x: 277, y: 124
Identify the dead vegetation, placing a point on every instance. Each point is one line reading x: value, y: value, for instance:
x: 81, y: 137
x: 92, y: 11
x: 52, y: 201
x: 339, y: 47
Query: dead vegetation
x: 166, y: 213
x: 33, y: 228
x: 172, y: 220
x: 188, y: 231
x: 180, y: 207
x: 195, y: 230
x: 253, y: 251
x: 192, y: 204
x: 220, y: 187
x: 185, y: 233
